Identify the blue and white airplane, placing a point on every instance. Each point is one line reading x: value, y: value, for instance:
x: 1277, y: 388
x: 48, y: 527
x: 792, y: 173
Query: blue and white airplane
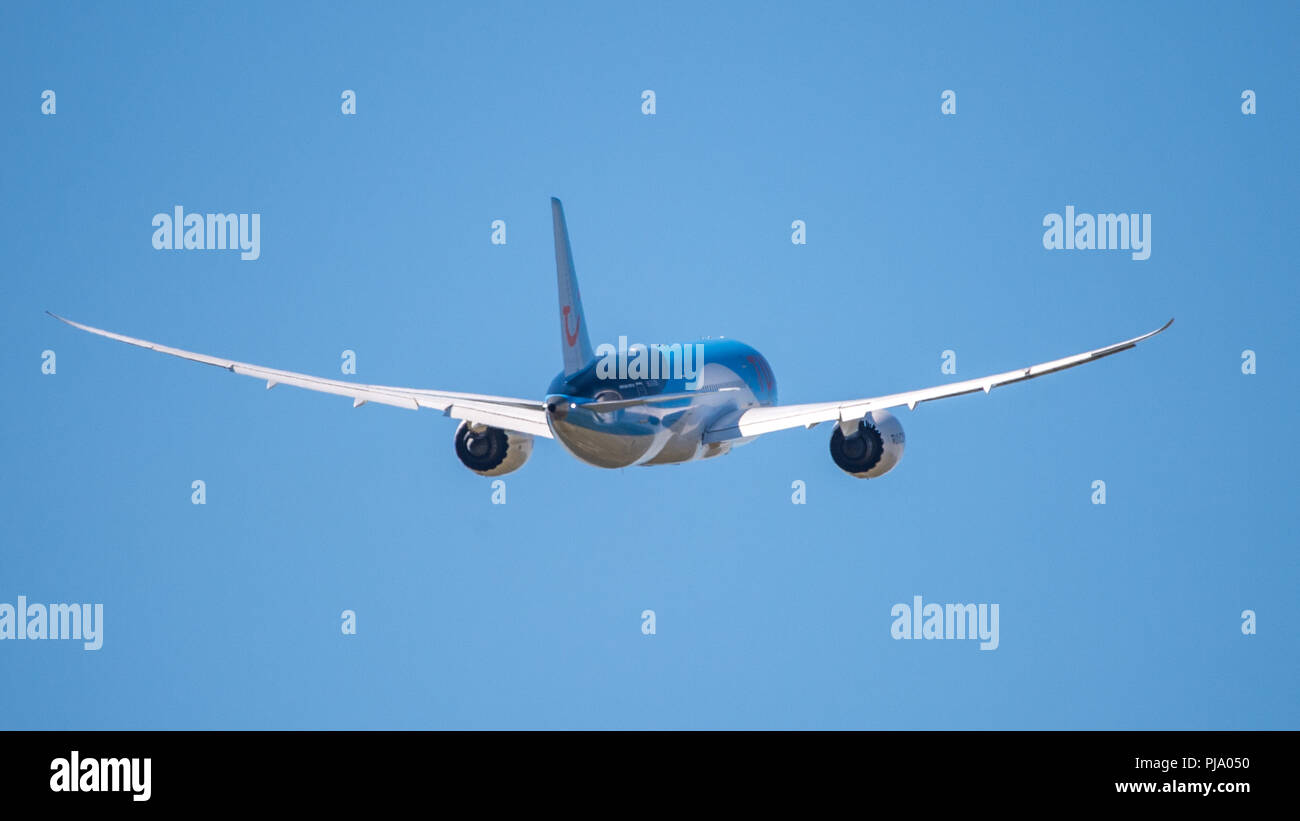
x: 645, y: 405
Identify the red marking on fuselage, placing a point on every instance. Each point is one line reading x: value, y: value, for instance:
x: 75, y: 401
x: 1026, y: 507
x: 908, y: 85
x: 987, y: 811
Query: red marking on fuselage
x: 762, y: 373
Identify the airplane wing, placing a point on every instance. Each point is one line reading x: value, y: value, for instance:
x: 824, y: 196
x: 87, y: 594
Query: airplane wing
x: 757, y: 421
x: 520, y: 415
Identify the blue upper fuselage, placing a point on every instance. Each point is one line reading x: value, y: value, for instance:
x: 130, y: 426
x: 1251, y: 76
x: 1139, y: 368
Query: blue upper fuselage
x: 740, y: 359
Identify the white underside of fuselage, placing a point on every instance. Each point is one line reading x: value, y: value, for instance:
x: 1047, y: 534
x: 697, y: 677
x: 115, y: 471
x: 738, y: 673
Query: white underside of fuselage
x: 653, y: 434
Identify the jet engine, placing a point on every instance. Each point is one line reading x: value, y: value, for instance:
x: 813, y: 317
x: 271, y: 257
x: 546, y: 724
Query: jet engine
x: 873, y: 449
x: 491, y: 451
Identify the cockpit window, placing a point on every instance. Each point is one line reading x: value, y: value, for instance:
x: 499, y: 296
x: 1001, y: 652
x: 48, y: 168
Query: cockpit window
x: 762, y: 373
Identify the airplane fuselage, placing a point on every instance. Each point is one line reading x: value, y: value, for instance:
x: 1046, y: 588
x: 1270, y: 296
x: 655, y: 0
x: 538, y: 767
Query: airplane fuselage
x: 732, y: 378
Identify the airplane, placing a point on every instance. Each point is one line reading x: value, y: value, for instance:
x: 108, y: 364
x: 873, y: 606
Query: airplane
x: 614, y: 420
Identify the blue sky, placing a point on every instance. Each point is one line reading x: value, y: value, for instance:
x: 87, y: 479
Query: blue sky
x: 924, y: 235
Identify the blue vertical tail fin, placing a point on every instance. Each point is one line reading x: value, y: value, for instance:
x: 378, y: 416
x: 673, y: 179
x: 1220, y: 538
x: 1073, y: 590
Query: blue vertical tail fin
x: 574, y: 342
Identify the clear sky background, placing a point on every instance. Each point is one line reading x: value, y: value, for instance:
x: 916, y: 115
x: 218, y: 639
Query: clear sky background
x: 924, y: 234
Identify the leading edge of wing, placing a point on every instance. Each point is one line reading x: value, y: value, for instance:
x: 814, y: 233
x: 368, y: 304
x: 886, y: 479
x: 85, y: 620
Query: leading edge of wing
x: 520, y: 415
x: 757, y: 421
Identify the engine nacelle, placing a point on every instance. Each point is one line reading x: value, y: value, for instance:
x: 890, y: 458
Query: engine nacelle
x: 491, y: 451
x: 873, y: 450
